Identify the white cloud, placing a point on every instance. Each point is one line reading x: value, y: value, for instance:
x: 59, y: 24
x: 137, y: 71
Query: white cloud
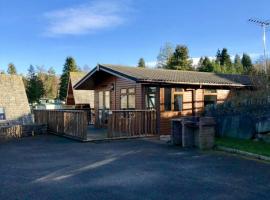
x: 87, y: 18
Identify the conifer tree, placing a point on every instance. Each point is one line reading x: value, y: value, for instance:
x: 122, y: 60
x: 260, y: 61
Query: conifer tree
x: 180, y: 59
x: 69, y: 66
x: 247, y: 63
x: 34, y: 86
x: 225, y: 60
x: 141, y: 63
x: 206, y: 65
x: 238, y: 64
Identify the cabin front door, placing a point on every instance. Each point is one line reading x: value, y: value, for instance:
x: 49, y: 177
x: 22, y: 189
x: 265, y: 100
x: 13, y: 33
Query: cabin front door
x: 103, y: 107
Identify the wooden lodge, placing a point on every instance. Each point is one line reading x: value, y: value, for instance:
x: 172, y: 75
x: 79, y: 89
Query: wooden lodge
x: 152, y: 97
x: 78, y: 99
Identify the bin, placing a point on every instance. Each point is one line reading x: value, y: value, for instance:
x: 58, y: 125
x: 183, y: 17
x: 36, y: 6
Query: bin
x: 176, y: 131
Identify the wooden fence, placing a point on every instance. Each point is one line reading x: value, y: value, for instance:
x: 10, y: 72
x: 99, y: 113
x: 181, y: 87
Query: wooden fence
x: 71, y: 123
x: 131, y: 123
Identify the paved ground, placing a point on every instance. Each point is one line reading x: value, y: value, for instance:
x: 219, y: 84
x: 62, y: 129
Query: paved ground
x: 50, y: 167
x: 96, y: 133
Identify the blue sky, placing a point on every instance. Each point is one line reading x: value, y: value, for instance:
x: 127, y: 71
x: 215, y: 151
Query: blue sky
x: 44, y: 33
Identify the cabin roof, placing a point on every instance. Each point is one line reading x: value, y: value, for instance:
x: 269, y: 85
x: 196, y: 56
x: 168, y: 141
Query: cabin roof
x: 81, y: 96
x: 150, y: 75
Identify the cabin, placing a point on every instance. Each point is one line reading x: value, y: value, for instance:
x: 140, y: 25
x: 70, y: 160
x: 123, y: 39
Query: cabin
x: 78, y: 99
x: 14, y: 106
x: 170, y: 93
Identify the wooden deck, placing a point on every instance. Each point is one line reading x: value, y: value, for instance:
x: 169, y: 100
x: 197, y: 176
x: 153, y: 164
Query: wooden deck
x: 122, y: 124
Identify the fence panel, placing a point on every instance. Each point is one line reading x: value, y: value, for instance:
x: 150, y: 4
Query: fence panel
x: 72, y: 123
x: 131, y: 123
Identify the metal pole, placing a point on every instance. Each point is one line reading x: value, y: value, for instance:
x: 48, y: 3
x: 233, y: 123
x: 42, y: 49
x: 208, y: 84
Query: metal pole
x: 264, y: 24
x: 264, y: 48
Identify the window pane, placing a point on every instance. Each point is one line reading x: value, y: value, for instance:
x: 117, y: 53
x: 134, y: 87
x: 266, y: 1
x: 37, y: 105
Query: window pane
x: 100, y: 100
x: 150, y: 97
x: 152, y: 101
x: 123, y: 101
x: 131, y: 90
x: 167, y: 99
x: 123, y: 91
x: 178, y: 102
x: 210, y: 100
x: 131, y: 101
x: 2, y: 114
x: 107, y: 99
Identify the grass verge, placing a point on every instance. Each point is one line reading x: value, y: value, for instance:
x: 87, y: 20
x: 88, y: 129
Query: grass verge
x: 257, y: 147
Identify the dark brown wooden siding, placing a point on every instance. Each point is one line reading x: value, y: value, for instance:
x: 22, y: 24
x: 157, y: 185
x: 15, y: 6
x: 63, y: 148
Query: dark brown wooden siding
x: 166, y: 116
x: 114, y: 85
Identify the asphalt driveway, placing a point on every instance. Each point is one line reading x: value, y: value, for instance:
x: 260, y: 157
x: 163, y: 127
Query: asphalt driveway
x: 50, y: 167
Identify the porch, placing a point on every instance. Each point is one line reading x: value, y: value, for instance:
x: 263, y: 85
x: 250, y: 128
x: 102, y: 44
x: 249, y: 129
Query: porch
x: 75, y: 124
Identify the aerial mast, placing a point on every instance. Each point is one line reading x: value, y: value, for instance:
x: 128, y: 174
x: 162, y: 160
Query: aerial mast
x: 264, y: 24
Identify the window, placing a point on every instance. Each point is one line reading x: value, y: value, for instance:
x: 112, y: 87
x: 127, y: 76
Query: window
x: 104, y: 99
x: 131, y: 98
x: 210, y: 97
x: 150, y: 97
x: 2, y: 114
x: 100, y: 100
x: 173, y: 99
x: 167, y: 99
x: 127, y: 98
x: 178, y: 102
x: 107, y: 100
x: 210, y: 100
x: 178, y: 99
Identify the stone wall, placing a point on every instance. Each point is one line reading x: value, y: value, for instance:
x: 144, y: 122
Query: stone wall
x: 13, y: 98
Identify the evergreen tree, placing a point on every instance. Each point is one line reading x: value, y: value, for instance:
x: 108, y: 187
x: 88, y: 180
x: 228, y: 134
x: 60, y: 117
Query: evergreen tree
x: 225, y: 60
x: 69, y: 66
x: 218, y: 56
x: 247, y: 63
x: 35, y: 88
x: 141, y: 63
x: 180, y: 59
x: 238, y: 65
x: 164, y: 55
x: 11, y: 69
x: 206, y: 65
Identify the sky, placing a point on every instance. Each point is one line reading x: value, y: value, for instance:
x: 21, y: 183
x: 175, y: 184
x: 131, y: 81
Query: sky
x: 44, y: 33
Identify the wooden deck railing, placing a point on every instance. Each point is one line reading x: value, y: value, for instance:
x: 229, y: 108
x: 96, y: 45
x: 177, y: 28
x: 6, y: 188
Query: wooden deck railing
x: 131, y: 123
x: 72, y: 123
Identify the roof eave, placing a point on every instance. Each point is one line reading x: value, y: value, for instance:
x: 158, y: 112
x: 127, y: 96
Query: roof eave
x: 196, y: 83
x: 89, y: 74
